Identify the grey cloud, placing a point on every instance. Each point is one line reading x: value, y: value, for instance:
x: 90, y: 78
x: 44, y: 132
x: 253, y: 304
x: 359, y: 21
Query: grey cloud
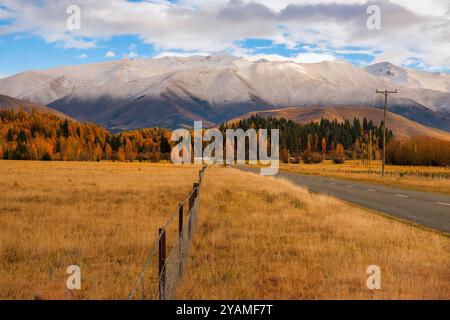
x: 238, y: 11
x: 334, y: 11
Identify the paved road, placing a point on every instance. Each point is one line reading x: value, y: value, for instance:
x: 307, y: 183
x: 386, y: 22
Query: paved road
x: 424, y: 208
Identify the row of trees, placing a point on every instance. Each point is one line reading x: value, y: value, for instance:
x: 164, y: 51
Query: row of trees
x: 39, y: 136
x: 419, y: 151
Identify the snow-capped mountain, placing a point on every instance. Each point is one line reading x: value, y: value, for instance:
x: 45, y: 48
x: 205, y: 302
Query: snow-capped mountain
x: 410, y: 78
x: 175, y: 91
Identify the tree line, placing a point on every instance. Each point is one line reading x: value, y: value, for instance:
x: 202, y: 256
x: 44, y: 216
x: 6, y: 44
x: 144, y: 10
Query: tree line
x: 43, y: 136
x: 419, y: 151
x: 315, y: 141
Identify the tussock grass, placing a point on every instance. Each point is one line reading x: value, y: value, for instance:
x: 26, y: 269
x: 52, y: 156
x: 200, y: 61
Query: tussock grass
x: 350, y: 170
x: 257, y: 237
x: 262, y: 238
x: 100, y: 216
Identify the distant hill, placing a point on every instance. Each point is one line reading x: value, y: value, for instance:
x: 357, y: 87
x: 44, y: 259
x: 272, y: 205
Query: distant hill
x: 175, y: 91
x: 402, y: 128
x: 16, y: 105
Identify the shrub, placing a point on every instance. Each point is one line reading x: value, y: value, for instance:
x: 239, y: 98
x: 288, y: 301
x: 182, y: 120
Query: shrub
x: 339, y: 154
x: 295, y: 159
x: 312, y: 157
x: 46, y: 157
x: 339, y: 158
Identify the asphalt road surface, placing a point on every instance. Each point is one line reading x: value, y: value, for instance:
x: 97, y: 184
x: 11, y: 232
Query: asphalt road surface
x: 424, y: 208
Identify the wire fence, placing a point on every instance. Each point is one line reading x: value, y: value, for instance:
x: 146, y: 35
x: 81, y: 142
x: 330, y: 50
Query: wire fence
x: 399, y: 174
x: 165, y: 263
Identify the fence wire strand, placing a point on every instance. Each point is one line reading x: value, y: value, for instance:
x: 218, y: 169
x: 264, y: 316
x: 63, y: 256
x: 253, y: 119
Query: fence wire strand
x: 163, y: 285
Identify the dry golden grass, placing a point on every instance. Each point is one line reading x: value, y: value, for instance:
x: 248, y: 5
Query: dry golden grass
x: 262, y: 238
x: 257, y: 237
x: 100, y: 216
x: 350, y: 170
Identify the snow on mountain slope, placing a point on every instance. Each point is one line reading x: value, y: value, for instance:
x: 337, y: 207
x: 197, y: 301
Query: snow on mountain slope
x: 173, y: 91
x: 410, y: 78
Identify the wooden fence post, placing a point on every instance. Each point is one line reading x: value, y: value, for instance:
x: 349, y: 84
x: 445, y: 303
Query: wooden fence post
x: 194, y: 196
x: 162, y: 262
x: 196, y: 191
x: 192, y: 200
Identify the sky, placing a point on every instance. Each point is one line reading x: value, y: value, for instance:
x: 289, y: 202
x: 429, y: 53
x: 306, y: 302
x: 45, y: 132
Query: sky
x: 40, y: 34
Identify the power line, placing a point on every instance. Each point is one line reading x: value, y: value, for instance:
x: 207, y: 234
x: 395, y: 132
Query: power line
x: 386, y: 93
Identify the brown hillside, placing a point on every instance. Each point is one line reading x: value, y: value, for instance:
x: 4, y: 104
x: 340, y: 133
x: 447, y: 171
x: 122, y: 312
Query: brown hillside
x: 16, y: 105
x: 402, y: 127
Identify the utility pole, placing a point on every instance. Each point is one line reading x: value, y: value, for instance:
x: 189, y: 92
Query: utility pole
x: 386, y: 93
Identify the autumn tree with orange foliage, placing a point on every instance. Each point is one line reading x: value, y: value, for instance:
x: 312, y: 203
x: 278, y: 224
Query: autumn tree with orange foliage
x: 40, y: 136
x: 419, y: 151
x: 338, y: 154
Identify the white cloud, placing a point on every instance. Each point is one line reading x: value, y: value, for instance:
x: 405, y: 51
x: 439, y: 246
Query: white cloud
x: 414, y: 28
x: 81, y: 57
x: 132, y: 47
x: 308, y: 57
x: 431, y: 7
x: 311, y: 57
x: 131, y: 55
x: 110, y: 54
x: 181, y: 54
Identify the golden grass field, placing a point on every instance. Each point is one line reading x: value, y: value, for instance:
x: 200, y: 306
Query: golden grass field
x: 264, y: 238
x: 257, y: 237
x: 100, y: 216
x: 350, y: 170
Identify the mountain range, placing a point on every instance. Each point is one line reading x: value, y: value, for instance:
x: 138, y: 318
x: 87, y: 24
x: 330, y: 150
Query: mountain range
x: 174, y: 91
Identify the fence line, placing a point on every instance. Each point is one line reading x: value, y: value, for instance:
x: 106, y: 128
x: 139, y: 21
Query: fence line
x: 417, y: 174
x: 161, y: 273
